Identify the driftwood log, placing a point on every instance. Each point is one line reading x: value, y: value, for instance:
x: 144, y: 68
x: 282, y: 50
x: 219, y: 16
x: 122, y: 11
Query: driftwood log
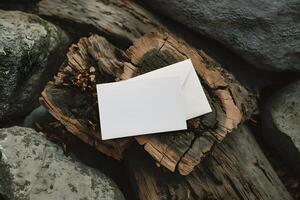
x: 123, y: 22
x: 237, y: 169
x: 71, y: 97
x: 119, y: 20
x: 94, y: 60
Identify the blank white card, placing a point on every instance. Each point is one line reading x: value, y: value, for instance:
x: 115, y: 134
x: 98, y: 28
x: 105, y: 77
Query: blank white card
x: 195, y: 100
x: 129, y: 108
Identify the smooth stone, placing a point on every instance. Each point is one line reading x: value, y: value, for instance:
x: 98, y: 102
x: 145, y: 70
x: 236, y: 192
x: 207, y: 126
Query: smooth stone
x: 281, y: 124
x: 40, y: 115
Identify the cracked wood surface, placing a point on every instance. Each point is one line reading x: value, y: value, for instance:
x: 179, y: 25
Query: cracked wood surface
x: 71, y: 97
x: 123, y: 20
x: 185, y: 149
x: 237, y: 169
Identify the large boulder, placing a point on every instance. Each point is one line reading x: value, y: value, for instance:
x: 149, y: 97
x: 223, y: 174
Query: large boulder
x: 33, y: 168
x: 281, y: 124
x: 265, y: 33
x: 31, y: 50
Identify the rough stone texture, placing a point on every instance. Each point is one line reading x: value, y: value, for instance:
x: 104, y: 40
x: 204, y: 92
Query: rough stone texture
x: 265, y: 33
x: 30, y: 49
x: 32, y: 168
x: 281, y: 123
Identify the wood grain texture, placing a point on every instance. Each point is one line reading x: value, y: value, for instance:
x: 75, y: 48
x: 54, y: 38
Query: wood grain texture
x: 123, y: 20
x: 185, y: 149
x: 71, y: 98
x: 236, y: 170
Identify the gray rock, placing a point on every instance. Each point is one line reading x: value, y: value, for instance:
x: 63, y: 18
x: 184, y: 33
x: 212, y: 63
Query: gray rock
x: 265, y: 33
x: 33, y: 168
x: 29, y: 55
x: 281, y: 124
x: 40, y: 115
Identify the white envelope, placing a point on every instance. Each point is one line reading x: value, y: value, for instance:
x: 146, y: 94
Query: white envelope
x: 195, y: 101
x: 129, y: 108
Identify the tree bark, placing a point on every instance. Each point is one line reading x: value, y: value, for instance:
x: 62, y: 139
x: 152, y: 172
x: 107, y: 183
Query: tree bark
x: 237, y: 169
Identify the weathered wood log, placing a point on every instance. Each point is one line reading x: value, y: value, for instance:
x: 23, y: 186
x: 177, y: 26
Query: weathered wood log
x: 120, y: 20
x: 123, y: 22
x: 71, y: 98
x: 237, y: 169
x: 230, y: 101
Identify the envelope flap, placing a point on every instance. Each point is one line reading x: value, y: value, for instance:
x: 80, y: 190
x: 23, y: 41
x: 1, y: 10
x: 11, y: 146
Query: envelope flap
x: 186, y: 68
x: 196, y: 103
x: 181, y: 70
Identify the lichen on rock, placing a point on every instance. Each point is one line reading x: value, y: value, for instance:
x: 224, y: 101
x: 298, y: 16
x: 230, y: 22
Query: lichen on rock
x: 35, y: 168
x: 30, y: 50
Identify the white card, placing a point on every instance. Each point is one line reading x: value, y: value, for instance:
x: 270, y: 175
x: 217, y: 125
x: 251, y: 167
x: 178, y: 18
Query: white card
x: 195, y: 101
x: 129, y: 108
